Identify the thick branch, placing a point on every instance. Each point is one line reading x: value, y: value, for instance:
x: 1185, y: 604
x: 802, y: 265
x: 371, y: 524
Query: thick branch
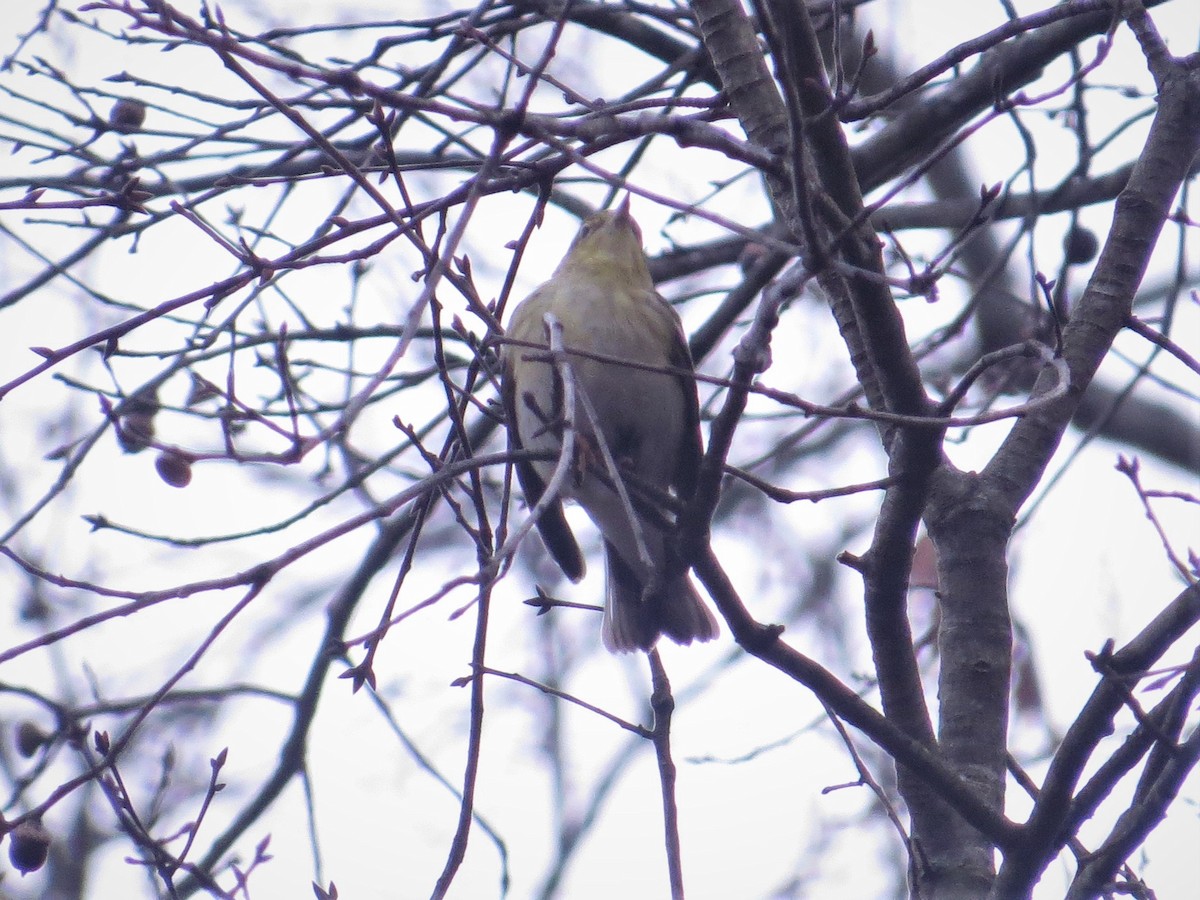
x: 970, y: 528
x: 1043, y: 834
x: 1141, y: 210
x: 763, y: 642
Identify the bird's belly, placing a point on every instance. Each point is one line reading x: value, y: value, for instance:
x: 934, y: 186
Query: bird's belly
x: 636, y: 429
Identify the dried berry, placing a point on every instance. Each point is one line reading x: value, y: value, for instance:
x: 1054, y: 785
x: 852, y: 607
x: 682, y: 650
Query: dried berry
x: 174, y: 469
x: 127, y: 115
x: 1080, y: 245
x: 135, y: 425
x: 30, y: 738
x: 28, y: 846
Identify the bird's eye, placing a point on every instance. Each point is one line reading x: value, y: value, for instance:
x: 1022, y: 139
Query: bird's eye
x: 590, y: 225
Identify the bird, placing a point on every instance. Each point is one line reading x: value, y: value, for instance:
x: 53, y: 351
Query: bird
x: 635, y: 406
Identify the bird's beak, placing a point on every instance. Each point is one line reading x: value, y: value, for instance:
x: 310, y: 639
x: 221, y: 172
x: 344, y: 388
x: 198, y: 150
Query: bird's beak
x: 623, y: 211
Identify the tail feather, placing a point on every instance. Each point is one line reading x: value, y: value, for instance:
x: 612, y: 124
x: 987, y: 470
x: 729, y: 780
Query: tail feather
x: 633, y: 622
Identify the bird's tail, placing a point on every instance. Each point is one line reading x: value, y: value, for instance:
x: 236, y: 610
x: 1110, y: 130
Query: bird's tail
x: 634, y: 622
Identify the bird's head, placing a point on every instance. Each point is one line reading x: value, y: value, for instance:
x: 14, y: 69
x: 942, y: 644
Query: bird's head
x: 609, y: 243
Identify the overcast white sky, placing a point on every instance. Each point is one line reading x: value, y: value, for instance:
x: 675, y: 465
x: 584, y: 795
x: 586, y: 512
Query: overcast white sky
x: 384, y: 824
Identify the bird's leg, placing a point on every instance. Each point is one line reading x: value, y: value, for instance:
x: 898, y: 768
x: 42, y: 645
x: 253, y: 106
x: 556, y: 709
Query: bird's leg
x: 553, y: 421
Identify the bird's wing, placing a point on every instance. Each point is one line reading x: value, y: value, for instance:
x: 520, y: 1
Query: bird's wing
x: 552, y: 525
x: 691, y: 449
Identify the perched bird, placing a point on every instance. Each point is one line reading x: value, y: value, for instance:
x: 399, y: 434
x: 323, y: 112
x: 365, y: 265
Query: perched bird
x: 648, y: 421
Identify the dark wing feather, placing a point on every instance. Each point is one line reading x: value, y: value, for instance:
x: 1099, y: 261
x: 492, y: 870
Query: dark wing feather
x: 552, y: 526
x: 691, y: 450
